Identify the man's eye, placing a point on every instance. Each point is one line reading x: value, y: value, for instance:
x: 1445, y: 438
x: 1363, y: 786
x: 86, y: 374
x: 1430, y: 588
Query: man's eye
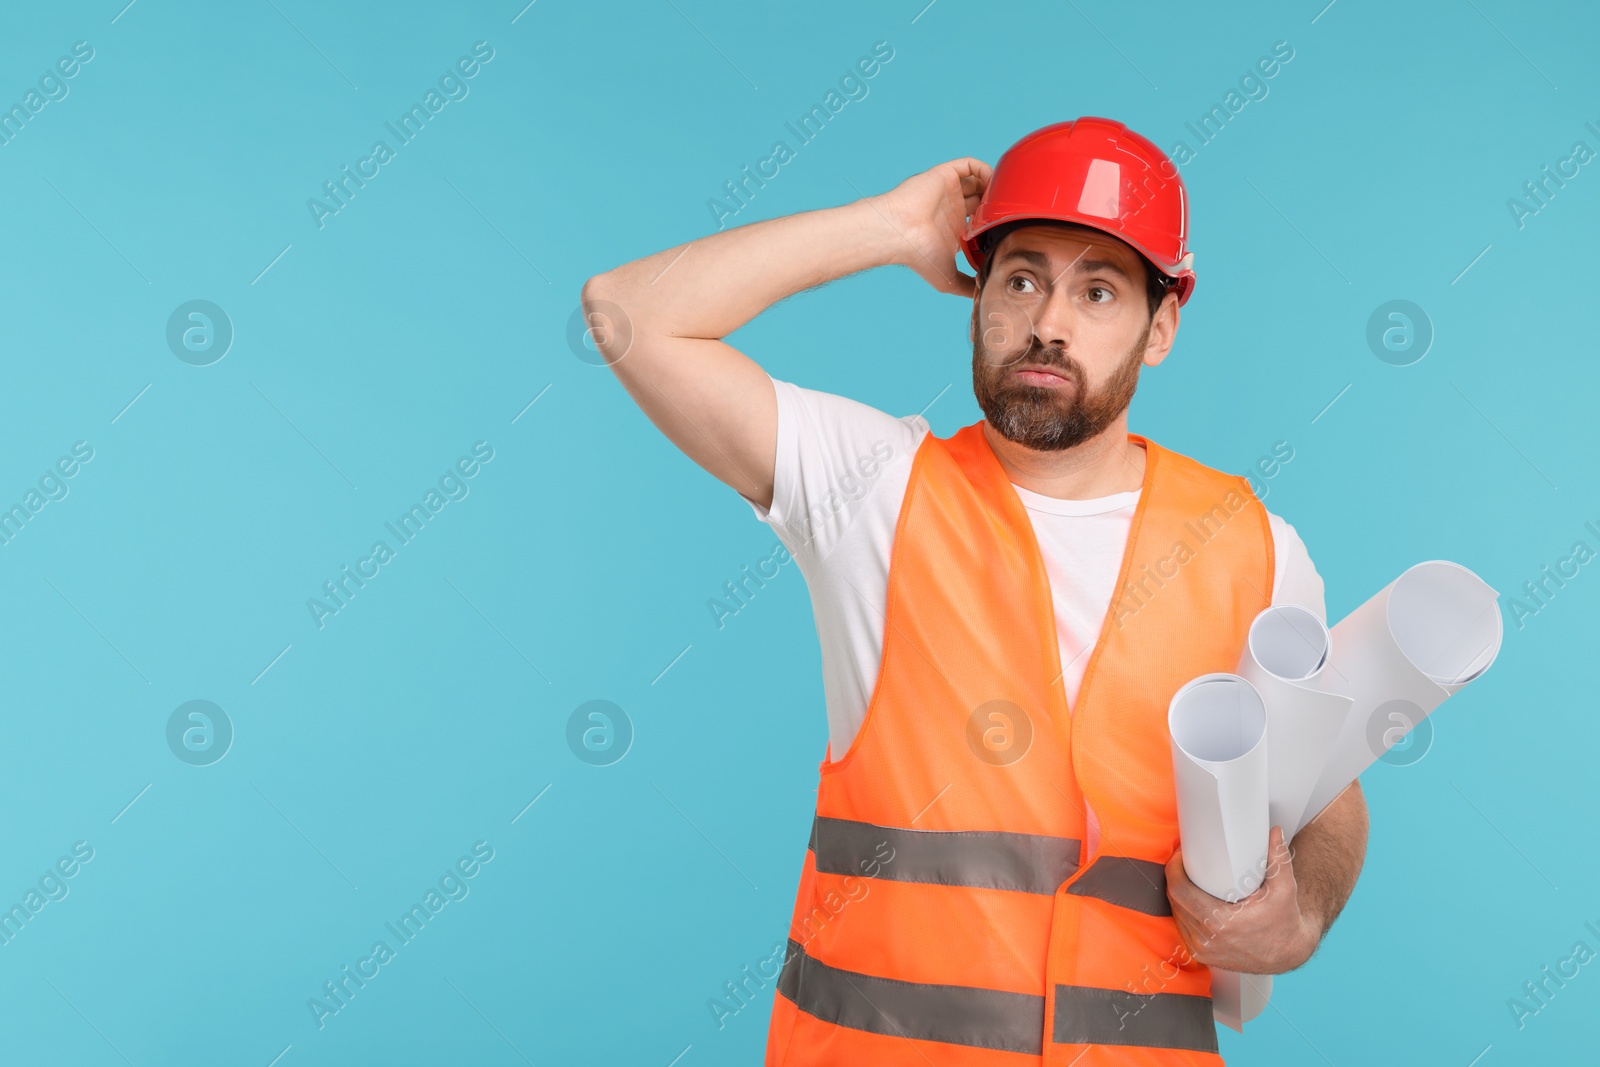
x: 1017, y: 278
x: 1100, y: 289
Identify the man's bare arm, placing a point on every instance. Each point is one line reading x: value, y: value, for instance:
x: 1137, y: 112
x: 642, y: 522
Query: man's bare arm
x: 1279, y: 926
x: 1328, y: 855
x: 659, y: 321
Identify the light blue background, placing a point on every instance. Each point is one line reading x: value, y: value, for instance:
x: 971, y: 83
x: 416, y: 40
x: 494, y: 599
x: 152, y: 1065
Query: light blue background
x: 432, y: 309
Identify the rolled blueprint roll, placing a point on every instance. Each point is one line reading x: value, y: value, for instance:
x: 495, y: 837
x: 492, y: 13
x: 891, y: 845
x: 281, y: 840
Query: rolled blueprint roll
x: 1219, y: 759
x: 1329, y: 703
x: 1237, y: 998
x: 1285, y: 658
x: 1397, y: 657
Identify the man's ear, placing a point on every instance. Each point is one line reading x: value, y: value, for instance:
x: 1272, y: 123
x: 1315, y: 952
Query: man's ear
x: 1163, y: 330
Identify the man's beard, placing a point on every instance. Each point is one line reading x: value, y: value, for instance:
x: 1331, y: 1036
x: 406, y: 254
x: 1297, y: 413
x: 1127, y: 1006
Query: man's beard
x: 1039, y: 417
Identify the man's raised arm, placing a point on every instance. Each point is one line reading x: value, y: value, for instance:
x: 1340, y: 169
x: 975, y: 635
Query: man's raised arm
x: 659, y: 321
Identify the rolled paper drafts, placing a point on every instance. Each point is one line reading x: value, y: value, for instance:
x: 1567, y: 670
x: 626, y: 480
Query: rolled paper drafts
x: 1219, y: 759
x: 1331, y: 703
x: 1420, y: 639
x: 1284, y: 659
x: 1237, y: 998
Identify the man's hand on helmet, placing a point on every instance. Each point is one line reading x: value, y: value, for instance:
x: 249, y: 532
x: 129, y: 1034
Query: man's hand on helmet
x: 930, y: 212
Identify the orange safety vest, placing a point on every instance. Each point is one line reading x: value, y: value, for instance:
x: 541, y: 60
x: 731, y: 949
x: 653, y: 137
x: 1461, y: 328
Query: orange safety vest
x: 950, y: 912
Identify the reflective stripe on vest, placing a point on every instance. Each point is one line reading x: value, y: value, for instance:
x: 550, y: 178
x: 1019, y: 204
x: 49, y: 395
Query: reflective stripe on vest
x: 992, y: 1018
x: 947, y: 895
x: 987, y: 859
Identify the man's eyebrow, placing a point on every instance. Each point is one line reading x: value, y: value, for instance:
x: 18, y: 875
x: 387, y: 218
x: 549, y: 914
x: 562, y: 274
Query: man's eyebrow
x: 1104, y: 266
x: 1088, y: 266
x: 1038, y: 259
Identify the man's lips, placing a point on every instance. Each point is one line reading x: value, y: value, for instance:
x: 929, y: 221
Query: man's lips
x: 1049, y: 377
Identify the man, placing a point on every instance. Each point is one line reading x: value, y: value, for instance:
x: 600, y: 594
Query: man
x: 993, y: 875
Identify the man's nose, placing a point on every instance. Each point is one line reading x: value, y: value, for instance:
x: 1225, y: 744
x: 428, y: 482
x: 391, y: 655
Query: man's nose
x: 1054, y: 320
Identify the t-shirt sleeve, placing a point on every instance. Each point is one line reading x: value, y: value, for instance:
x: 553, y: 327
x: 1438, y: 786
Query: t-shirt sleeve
x: 830, y: 452
x: 1295, y: 577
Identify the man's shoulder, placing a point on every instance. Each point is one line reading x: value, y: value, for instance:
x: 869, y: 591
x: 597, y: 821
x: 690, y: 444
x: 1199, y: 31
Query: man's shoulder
x: 835, y: 457
x: 843, y: 432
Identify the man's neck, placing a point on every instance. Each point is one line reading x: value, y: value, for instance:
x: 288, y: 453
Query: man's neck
x: 1104, y: 464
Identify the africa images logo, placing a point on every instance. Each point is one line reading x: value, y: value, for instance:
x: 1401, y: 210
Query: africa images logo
x: 452, y: 87
x: 453, y: 485
x: 452, y: 887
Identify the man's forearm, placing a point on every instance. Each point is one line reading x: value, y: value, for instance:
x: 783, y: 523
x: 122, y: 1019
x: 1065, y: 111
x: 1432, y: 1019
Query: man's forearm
x: 660, y: 322
x: 713, y: 285
x: 1328, y: 855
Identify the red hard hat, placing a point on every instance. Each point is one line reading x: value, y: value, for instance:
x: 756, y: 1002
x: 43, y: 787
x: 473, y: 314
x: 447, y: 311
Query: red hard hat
x: 1098, y: 173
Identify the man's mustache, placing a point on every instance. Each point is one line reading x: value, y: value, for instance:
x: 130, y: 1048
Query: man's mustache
x: 1052, y: 357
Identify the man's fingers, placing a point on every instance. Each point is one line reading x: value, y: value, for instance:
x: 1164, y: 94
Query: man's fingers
x: 1280, y: 864
x: 951, y: 281
x: 1181, y: 890
x: 969, y: 168
x: 964, y: 285
x: 1189, y: 904
x: 1186, y: 934
x: 1280, y: 858
x: 1194, y: 933
x: 973, y: 177
x: 1179, y: 882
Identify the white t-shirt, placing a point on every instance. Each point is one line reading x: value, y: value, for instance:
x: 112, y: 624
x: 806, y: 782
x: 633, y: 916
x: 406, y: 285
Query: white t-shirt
x: 842, y: 471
